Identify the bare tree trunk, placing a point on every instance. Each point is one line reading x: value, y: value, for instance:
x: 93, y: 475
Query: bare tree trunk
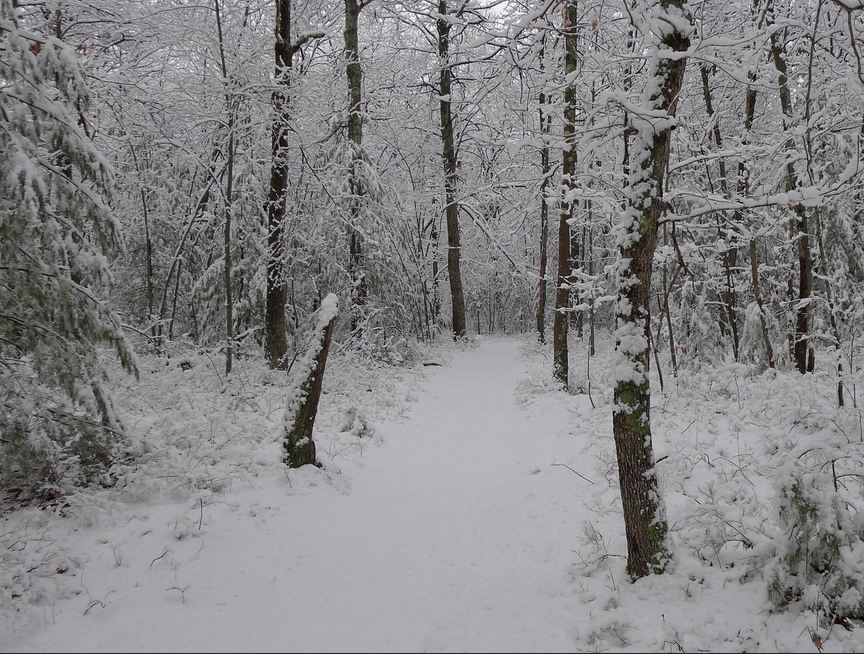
x: 824, y: 266
x: 757, y: 294
x: 229, y: 191
x: 643, y: 513
x: 275, y: 325
x: 744, y: 188
x: 805, y: 260
x: 832, y: 306
x: 275, y: 329
x: 545, y: 124
x: 148, y: 244
x: 450, y: 175
x: 560, y: 357
x: 591, y: 343
x: 730, y: 254
x: 573, y: 316
x: 359, y: 284
x: 174, y: 303
x: 436, y: 294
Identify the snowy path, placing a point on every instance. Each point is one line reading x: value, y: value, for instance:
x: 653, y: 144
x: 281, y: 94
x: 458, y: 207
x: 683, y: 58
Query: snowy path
x: 455, y: 534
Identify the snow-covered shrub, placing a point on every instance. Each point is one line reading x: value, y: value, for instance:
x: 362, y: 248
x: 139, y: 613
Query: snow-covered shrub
x: 355, y: 422
x: 49, y: 445
x: 821, y: 511
x: 698, y: 339
x: 56, y: 419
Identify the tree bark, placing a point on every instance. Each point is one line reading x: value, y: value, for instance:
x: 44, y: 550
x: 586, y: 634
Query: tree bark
x: 643, y: 513
x: 299, y: 445
x: 757, y: 294
x: 730, y: 253
x: 275, y: 329
x: 560, y: 357
x: 359, y: 283
x: 450, y: 175
x: 744, y: 189
x: 545, y: 123
x: 436, y: 294
x: 229, y: 196
x: 799, y: 229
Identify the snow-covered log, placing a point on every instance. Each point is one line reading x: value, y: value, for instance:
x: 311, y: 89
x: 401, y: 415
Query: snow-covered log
x: 301, y: 404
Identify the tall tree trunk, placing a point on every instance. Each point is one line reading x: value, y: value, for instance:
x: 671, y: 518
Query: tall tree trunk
x: 643, y: 513
x: 799, y: 228
x: 275, y: 330
x: 436, y: 294
x: 757, y: 295
x: 591, y: 343
x: 545, y: 124
x: 738, y: 217
x: 825, y: 276
x: 148, y: 245
x: 560, y: 358
x: 229, y: 196
x: 174, y: 303
x: 148, y: 250
x: 359, y: 284
x: 730, y: 251
x: 450, y: 175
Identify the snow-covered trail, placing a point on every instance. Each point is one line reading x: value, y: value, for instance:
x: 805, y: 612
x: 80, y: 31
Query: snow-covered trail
x: 455, y: 534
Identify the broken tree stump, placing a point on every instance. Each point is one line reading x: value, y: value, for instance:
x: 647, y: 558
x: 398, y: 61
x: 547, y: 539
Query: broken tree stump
x: 302, y: 401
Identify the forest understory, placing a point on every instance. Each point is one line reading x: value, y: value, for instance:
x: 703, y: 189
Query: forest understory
x: 432, y: 325
x: 468, y: 507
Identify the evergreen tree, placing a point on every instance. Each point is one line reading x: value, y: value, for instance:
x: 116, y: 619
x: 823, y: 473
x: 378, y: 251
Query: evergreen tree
x: 56, y: 421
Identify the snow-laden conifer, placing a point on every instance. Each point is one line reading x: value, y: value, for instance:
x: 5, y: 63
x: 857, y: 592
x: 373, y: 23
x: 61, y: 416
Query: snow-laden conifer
x: 56, y: 422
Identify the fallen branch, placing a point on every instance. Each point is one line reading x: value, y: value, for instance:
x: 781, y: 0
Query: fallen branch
x: 564, y: 465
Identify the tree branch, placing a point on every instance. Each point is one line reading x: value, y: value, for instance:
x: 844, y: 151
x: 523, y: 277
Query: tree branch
x: 303, y: 38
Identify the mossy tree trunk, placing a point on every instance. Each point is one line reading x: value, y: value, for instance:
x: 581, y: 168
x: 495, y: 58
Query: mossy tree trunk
x: 299, y: 445
x: 643, y: 513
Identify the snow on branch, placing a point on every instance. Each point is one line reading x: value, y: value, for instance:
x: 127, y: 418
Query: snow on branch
x: 303, y: 39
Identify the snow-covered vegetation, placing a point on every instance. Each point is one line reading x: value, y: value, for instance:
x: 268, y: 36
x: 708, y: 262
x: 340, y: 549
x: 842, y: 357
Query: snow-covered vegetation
x: 431, y: 325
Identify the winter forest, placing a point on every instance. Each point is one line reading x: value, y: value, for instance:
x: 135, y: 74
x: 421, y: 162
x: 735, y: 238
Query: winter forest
x: 431, y: 325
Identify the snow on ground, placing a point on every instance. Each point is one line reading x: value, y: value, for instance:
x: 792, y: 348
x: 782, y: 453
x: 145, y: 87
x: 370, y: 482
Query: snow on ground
x: 477, y: 511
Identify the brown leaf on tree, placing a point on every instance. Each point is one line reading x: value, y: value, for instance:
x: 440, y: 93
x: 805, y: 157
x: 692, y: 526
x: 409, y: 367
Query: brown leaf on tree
x: 36, y: 48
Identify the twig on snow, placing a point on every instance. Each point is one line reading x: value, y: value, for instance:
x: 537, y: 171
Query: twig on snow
x: 564, y: 465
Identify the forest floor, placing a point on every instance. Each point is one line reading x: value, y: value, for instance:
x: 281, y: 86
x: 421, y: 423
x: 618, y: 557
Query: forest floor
x: 477, y: 511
